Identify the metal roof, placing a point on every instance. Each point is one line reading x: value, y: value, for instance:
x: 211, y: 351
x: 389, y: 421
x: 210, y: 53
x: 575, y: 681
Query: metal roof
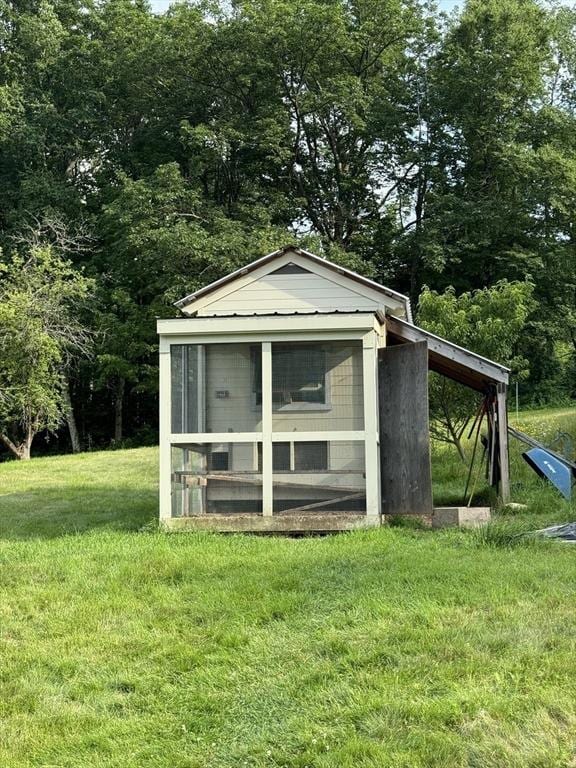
x: 290, y: 313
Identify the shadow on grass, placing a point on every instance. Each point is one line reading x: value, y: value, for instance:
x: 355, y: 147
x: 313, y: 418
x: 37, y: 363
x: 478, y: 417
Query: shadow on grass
x: 54, y: 512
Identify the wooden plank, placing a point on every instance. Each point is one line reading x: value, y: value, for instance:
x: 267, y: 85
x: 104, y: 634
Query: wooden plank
x: 492, y: 440
x: 325, y: 503
x: 406, y: 479
x: 310, y: 323
x: 283, y: 484
x: 237, y: 472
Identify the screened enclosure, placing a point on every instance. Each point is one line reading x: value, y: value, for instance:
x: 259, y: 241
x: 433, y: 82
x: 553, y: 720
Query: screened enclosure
x: 213, y: 388
x: 286, y: 416
x: 319, y: 477
x: 210, y: 478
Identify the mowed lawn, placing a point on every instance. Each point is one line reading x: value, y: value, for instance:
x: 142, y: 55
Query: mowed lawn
x: 124, y: 647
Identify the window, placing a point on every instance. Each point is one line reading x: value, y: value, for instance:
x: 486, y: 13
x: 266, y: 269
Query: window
x: 218, y: 461
x: 297, y: 457
x: 310, y: 457
x: 299, y: 374
x: 281, y: 457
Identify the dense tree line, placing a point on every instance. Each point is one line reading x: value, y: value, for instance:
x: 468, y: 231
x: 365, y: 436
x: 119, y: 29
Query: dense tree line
x: 151, y: 154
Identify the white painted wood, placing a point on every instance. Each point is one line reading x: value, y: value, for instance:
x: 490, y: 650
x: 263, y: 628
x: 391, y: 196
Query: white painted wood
x: 165, y: 489
x: 201, y: 399
x: 267, y: 479
x: 292, y: 293
x: 177, y: 438
x: 258, y: 338
x: 285, y: 523
x: 230, y: 326
x: 370, y: 361
x: 327, y: 436
x: 384, y: 297
x: 250, y: 437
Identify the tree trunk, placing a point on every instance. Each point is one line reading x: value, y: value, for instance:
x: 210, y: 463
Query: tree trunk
x: 23, y: 450
x: 460, y: 448
x: 10, y: 445
x: 70, y: 418
x: 455, y: 438
x: 118, y: 410
x: 415, y: 278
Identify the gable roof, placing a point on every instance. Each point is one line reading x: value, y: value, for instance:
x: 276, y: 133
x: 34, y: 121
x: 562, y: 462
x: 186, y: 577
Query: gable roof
x: 312, y: 260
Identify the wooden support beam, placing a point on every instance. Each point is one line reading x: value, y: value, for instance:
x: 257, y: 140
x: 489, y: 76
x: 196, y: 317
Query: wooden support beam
x: 371, y: 413
x: 502, y: 420
x: 267, y: 471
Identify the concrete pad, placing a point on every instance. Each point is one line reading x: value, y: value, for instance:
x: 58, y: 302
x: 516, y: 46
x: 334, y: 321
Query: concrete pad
x: 461, y: 517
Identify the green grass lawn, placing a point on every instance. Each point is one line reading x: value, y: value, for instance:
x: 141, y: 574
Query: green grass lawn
x: 123, y: 647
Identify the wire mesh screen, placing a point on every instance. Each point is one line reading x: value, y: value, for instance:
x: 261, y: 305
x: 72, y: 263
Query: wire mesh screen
x: 319, y: 477
x: 213, y: 478
x: 185, y: 388
x: 213, y: 388
x: 317, y: 386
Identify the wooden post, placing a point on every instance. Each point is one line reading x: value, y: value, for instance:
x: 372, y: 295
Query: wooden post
x: 502, y: 417
x: 165, y: 431
x: 267, y: 469
x: 370, y: 394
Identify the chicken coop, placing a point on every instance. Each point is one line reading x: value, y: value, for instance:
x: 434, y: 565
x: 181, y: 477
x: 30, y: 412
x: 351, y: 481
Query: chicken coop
x: 271, y: 399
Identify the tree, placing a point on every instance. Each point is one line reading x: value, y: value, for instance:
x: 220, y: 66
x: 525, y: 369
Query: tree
x: 475, y: 215
x: 41, y: 298
x: 487, y: 321
x: 410, y: 146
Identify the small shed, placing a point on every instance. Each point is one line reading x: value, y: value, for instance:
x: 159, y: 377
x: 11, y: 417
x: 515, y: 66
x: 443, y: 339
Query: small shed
x: 293, y: 397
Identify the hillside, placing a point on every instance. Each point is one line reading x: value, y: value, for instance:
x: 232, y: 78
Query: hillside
x: 125, y: 647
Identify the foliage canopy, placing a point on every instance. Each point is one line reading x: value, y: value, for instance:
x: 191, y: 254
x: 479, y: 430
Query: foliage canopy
x: 417, y: 148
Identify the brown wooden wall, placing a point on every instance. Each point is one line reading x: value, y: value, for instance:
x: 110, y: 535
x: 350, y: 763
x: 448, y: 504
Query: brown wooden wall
x: 405, y: 473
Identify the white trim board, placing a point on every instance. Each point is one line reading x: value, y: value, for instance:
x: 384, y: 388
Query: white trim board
x: 261, y: 325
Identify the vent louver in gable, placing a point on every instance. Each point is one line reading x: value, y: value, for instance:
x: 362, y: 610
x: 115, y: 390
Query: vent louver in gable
x: 290, y: 269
